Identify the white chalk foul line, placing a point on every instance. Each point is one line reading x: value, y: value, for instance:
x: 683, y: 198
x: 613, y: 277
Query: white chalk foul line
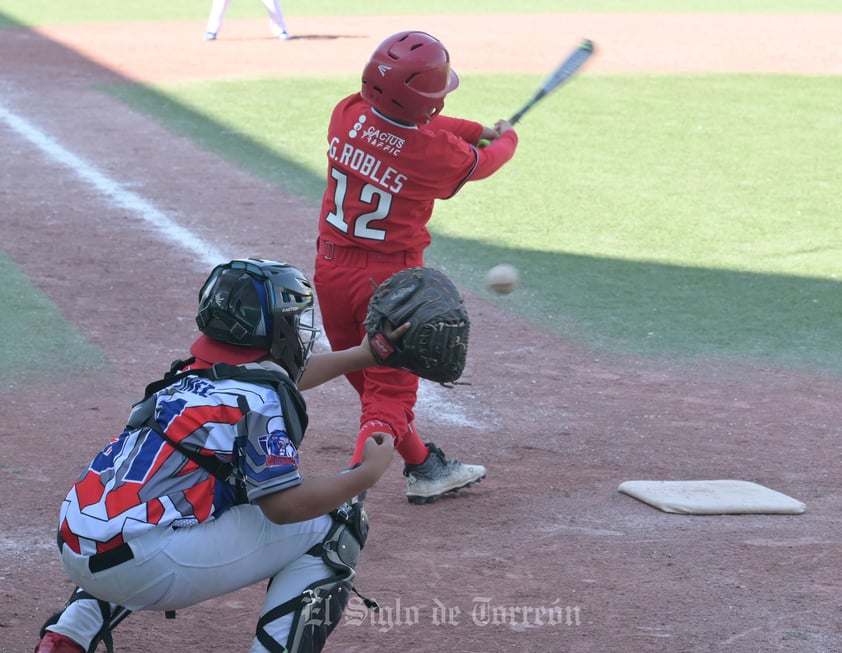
x: 436, y: 406
x: 430, y: 400
x: 117, y: 193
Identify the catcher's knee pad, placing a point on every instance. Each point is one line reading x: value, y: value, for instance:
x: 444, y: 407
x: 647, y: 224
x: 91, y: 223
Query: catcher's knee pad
x: 317, y: 610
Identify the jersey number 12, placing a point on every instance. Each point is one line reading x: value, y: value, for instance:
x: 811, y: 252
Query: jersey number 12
x: 361, y: 226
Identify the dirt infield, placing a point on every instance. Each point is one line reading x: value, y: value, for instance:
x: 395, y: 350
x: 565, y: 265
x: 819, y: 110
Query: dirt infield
x: 544, y: 555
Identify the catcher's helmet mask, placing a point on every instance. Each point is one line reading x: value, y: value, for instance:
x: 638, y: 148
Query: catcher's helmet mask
x: 408, y: 76
x: 260, y: 304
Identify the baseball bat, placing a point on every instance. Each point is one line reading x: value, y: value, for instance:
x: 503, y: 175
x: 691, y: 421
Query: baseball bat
x: 565, y: 71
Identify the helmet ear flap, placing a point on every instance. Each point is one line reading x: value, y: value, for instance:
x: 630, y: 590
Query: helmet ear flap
x: 287, y: 347
x: 231, y: 308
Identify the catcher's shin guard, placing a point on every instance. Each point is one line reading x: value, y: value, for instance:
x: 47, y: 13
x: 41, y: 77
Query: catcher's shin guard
x: 317, y: 610
x: 111, y: 616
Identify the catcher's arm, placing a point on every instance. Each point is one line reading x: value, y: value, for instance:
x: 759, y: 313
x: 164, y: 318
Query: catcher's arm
x: 316, y: 496
x: 325, y: 366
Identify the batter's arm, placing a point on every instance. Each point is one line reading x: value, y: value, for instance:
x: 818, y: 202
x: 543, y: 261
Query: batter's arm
x: 499, y: 152
x: 468, y: 130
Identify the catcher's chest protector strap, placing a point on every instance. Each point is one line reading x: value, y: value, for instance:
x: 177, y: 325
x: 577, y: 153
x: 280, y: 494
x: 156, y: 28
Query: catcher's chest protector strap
x: 292, y: 402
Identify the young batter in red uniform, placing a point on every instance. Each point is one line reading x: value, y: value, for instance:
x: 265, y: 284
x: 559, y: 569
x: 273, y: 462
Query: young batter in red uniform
x: 391, y: 155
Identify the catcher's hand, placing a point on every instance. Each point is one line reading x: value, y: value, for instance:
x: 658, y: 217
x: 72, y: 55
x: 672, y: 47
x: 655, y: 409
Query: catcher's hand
x: 435, y: 346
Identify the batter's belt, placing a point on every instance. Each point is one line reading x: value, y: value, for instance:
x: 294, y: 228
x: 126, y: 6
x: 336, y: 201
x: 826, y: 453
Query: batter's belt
x: 361, y: 258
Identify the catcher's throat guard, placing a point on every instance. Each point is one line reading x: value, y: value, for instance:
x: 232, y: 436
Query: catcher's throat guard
x: 436, y: 345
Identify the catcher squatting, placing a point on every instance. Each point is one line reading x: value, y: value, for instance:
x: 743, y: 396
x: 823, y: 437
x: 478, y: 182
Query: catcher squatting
x: 200, y: 494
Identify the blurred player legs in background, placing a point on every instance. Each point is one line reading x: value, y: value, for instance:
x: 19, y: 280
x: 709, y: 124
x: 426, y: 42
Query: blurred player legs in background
x: 273, y: 7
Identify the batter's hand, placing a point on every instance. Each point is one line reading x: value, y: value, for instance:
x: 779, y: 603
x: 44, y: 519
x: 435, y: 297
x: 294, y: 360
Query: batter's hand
x: 502, y: 126
x: 491, y: 134
x: 488, y: 134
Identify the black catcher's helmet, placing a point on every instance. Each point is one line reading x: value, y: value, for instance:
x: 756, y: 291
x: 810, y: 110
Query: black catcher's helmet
x: 263, y: 305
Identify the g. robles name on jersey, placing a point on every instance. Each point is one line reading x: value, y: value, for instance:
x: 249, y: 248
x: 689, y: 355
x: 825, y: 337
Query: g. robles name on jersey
x: 367, y: 165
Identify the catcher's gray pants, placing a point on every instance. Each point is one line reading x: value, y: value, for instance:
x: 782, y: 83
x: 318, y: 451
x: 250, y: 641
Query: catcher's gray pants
x: 176, y: 568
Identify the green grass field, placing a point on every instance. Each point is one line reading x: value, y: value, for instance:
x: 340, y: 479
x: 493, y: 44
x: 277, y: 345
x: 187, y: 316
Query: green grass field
x: 49, y: 12
x: 689, y: 217
x: 37, y: 340
x: 675, y: 227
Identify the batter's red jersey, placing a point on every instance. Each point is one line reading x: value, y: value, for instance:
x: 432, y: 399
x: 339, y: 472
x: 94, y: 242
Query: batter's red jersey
x: 384, y: 176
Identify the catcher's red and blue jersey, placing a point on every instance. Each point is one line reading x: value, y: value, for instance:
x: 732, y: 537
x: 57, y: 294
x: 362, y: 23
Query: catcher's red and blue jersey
x: 140, y: 481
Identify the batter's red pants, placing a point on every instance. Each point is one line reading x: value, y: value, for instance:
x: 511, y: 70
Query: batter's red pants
x: 345, y: 278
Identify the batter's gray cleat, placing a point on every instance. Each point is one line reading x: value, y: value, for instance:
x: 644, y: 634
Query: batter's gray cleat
x: 210, y: 36
x: 438, y: 475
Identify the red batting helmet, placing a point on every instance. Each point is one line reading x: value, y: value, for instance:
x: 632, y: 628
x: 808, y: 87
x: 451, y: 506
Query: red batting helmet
x: 408, y: 76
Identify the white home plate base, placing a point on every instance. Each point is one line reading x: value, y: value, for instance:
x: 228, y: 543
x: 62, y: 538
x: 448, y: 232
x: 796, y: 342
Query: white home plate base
x: 721, y: 497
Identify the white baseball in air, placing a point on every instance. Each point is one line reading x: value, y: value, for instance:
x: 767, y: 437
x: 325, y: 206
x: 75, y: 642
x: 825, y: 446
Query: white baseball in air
x: 502, y: 278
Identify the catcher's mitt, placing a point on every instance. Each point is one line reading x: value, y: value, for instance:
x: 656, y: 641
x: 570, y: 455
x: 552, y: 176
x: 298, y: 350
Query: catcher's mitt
x: 436, y: 345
